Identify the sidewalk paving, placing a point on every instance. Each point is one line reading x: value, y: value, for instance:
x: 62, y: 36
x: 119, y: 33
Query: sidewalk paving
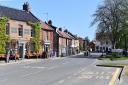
x: 2, y: 62
x: 124, y: 79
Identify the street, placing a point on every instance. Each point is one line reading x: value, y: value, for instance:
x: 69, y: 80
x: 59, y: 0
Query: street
x: 73, y: 70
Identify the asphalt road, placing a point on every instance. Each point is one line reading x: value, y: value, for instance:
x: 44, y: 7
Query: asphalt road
x: 75, y: 70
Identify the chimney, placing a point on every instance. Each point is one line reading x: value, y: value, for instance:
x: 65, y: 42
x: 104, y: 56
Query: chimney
x: 26, y: 7
x: 60, y: 29
x: 66, y: 31
x: 50, y: 22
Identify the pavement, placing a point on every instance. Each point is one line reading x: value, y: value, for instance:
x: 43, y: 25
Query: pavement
x: 71, y: 70
x: 124, y: 79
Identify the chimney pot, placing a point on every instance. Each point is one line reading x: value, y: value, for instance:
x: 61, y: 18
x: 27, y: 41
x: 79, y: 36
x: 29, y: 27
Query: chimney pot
x: 60, y: 29
x: 50, y: 22
x: 26, y: 7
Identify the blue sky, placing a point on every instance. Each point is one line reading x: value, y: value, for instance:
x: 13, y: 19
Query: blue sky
x: 74, y: 15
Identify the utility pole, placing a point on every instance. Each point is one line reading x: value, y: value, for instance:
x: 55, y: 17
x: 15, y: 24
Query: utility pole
x: 46, y: 16
x: 125, y: 44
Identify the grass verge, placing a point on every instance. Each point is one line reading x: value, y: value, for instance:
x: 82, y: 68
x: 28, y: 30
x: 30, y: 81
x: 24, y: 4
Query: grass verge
x: 126, y: 70
x: 111, y: 57
x: 117, y: 66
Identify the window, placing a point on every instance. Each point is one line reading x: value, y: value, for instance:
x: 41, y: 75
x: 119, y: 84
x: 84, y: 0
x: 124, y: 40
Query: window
x: 13, y: 30
x: 106, y: 42
x: 20, y: 29
x: 46, y: 35
x: 32, y: 47
x: 26, y: 31
x: 7, y: 28
x: 32, y: 32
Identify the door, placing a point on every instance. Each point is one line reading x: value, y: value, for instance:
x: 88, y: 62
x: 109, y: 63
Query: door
x: 21, y: 50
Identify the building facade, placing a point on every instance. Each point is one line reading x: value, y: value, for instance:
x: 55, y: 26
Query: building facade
x: 55, y: 39
x: 47, y: 40
x: 103, y: 44
x: 19, y: 31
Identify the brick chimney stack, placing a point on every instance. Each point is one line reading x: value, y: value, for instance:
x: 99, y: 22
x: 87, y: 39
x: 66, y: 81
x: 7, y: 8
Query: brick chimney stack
x: 60, y: 29
x: 50, y: 22
x: 26, y: 7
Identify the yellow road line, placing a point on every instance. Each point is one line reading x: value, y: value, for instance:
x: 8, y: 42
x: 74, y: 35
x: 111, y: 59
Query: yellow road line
x: 114, y: 77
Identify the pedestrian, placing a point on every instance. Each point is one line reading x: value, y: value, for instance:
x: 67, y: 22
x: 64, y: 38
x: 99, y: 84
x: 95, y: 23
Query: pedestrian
x: 44, y: 54
x: 7, y: 56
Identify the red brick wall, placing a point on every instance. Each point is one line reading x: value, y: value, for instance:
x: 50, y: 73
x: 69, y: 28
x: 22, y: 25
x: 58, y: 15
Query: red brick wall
x: 50, y: 37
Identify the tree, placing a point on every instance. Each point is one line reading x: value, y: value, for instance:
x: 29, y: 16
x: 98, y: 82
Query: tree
x: 4, y: 38
x: 36, y: 38
x: 111, y: 18
x: 87, y: 40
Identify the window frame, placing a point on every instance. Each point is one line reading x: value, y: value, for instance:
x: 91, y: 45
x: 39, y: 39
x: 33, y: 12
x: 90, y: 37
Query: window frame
x: 20, y: 30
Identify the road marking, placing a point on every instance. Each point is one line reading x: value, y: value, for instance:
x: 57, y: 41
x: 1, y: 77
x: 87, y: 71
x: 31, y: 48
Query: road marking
x: 51, y: 68
x: 32, y: 73
x: 114, y: 77
x: 60, y: 82
x: 107, y: 77
x: 102, y: 73
x: 34, y: 67
x: 11, y: 72
x: 97, y: 73
x: 101, y: 77
x: 75, y: 74
x: 65, y: 63
x: 85, y: 77
x: 3, y: 80
x: 69, y: 77
x: 94, y: 75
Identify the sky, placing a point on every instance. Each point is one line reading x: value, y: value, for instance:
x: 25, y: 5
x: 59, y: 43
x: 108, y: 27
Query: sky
x: 74, y: 15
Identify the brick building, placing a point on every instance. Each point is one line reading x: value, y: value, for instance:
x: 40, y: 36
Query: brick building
x: 19, y: 31
x: 47, y: 39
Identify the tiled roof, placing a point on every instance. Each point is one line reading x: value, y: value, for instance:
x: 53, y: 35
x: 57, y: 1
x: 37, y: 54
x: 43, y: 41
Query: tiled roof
x: 63, y: 34
x: 59, y: 32
x: 45, y: 26
x: 72, y: 37
x: 66, y: 35
x: 16, y: 14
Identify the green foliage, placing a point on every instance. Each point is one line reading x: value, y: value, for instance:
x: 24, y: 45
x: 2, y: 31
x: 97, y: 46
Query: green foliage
x: 81, y: 47
x: 36, y: 37
x: 3, y: 37
x: 111, y: 18
x: 115, y: 54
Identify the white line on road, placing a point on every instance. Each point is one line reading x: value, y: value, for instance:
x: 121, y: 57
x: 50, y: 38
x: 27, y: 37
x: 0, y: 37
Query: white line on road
x: 32, y: 73
x: 51, y: 68
x: 34, y: 67
x: 69, y: 77
x: 65, y: 63
x: 60, y: 82
x: 3, y: 80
